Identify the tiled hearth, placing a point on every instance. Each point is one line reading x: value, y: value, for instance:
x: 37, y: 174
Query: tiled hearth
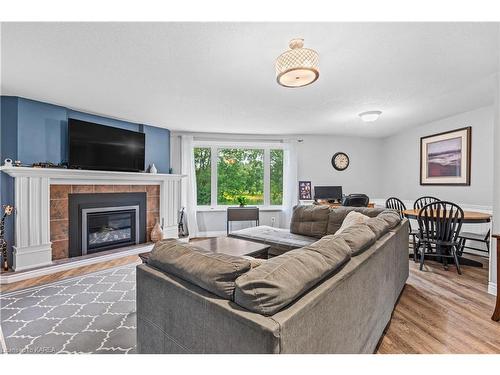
x: 59, y: 220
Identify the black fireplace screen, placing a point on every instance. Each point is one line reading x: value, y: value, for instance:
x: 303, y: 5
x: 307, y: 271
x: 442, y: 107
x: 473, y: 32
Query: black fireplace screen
x: 105, y: 221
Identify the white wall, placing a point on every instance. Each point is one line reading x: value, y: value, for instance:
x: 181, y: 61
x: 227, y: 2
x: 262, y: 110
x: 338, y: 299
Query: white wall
x: 363, y: 173
x: 401, y: 161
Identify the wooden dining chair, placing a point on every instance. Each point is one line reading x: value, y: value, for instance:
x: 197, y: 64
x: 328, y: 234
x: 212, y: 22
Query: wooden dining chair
x: 398, y: 205
x: 422, y: 201
x: 439, y: 226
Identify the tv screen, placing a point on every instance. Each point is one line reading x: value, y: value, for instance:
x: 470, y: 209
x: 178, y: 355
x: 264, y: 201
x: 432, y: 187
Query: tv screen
x: 99, y: 147
x: 328, y: 192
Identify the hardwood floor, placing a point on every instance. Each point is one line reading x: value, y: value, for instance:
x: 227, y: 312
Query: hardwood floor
x: 69, y: 273
x: 438, y: 312
x: 442, y: 312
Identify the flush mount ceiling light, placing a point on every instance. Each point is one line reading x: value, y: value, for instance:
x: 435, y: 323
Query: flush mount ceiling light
x: 297, y: 67
x: 370, y: 116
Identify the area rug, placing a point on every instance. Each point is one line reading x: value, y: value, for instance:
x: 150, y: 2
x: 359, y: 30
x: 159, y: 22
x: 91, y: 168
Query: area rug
x: 94, y: 313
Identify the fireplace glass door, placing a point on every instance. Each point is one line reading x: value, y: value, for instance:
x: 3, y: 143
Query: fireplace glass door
x: 105, y: 228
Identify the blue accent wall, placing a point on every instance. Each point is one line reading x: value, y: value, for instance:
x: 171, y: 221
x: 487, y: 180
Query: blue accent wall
x: 33, y: 131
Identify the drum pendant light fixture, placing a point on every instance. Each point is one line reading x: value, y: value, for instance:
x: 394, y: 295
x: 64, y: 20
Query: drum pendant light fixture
x: 298, y: 66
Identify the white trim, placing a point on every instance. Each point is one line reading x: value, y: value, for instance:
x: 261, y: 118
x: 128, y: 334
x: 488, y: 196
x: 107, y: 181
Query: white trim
x: 492, y: 288
x: 70, y: 263
x: 73, y: 176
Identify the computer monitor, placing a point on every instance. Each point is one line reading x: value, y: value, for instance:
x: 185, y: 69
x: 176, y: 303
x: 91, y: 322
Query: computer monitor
x: 328, y: 192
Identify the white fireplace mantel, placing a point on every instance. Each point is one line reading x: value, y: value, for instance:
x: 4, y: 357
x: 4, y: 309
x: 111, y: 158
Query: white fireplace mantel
x: 32, y: 247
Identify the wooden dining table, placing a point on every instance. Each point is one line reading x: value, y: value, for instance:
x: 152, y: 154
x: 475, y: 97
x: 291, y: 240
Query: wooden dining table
x: 470, y: 217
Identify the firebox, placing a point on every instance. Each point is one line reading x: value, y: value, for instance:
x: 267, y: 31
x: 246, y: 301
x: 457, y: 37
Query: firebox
x: 105, y: 221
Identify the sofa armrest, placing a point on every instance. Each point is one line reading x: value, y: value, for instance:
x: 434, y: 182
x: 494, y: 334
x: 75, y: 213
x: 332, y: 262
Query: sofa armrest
x: 175, y: 316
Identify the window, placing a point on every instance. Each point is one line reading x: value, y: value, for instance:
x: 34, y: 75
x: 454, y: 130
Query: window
x: 240, y: 173
x: 225, y: 175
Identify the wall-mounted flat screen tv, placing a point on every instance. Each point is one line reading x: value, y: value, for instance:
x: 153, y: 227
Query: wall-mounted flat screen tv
x: 99, y: 147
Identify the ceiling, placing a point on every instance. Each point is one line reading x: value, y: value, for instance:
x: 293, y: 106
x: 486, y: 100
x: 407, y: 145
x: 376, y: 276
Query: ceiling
x: 219, y: 77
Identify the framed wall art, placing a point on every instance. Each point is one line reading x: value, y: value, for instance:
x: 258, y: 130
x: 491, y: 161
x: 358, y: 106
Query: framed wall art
x: 445, y: 158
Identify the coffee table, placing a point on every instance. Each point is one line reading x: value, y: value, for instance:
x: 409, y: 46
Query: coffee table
x: 234, y: 246
x: 228, y: 245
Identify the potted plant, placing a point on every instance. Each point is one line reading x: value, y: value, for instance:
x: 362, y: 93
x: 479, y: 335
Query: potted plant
x: 242, y: 201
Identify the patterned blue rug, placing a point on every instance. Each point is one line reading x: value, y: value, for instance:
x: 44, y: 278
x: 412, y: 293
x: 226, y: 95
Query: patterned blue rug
x: 94, y: 313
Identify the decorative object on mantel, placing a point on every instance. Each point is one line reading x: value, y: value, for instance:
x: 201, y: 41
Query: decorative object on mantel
x: 7, y: 211
x: 496, y: 313
x: 48, y: 164
x: 340, y: 161
x: 153, y: 169
x: 445, y: 158
x: 242, y: 200
x: 305, y: 190
x: 156, y: 233
x: 298, y: 66
x: 7, y: 163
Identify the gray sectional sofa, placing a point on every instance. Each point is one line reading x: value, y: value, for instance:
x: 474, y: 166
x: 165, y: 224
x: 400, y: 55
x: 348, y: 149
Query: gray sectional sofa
x: 321, y: 292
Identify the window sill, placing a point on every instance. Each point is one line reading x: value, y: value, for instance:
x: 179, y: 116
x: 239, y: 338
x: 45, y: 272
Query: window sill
x: 224, y: 209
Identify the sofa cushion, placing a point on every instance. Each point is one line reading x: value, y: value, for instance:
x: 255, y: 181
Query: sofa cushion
x: 378, y: 225
x: 391, y: 217
x: 351, y: 219
x: 279, y: 239
x: 279, y: 281
x: 310, y: 220
x: 214, y: 272
x: 359, y: 237
x: 337, y: 216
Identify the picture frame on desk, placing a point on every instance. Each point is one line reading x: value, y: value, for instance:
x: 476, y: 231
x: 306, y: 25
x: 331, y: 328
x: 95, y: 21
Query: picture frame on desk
x: 305, y: 190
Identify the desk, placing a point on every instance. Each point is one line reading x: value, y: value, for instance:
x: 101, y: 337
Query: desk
x: 470, y: 217
x: 335, y: 205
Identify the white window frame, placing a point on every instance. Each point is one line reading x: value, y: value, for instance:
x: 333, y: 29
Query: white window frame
x: 214, y: 148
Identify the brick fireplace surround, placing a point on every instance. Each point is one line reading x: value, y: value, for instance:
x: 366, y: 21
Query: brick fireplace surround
x: 59, y: 219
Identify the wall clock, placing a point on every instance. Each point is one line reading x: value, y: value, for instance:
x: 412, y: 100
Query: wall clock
x: 340, y: 161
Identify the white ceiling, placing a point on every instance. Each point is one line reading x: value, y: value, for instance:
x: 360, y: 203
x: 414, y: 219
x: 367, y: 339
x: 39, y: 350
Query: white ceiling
x: 219, y: 77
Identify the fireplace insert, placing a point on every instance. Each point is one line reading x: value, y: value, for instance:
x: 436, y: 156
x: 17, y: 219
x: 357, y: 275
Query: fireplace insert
x: 109, y: 227
x: 105, y: 221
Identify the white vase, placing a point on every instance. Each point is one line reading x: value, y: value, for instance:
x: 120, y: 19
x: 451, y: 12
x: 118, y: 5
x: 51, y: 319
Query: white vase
x: 153, y: 169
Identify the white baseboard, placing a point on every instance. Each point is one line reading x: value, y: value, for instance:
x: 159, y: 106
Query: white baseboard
x: 492, y: 288
x: 12, y: 277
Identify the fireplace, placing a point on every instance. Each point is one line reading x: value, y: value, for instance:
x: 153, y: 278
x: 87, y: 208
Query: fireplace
x: 105, y: 221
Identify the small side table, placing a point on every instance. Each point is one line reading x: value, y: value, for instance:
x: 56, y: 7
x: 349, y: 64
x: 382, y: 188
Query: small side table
x: 242, y: 214
x: 496, y: 313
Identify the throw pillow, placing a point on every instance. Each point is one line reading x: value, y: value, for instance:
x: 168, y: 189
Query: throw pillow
x: 351, y: 219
